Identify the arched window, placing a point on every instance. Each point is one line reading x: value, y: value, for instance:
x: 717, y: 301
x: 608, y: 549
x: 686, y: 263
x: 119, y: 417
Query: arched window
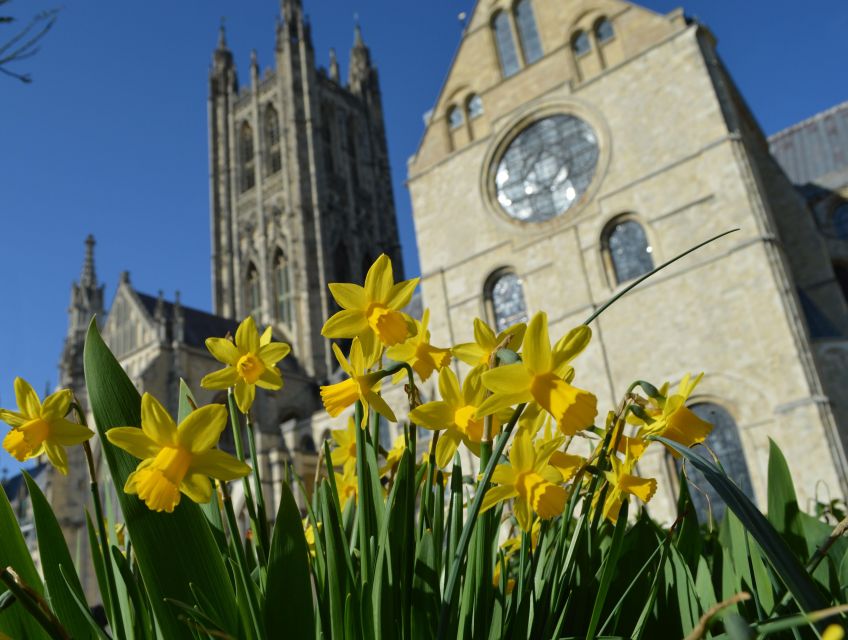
x: 475, y: 106
x: 506, y: 297
x: 272, y: 140
x: 725, y: 442
x: 628, y: 250
x: 245, y: 147
x: 282, y: 289
x: 253, y: 293
x: 455, y: 118
x: 531, y: 46
x: 505, y: 44
x: 603, y: 31
x: 580, y: 43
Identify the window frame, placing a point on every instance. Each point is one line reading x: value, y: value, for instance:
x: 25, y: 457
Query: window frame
x: 246, y: 157
x: 507, y: 30
x: 489, y: 298
x: 575, y: 37
x: 524, y: 38
x: 596, y: 30
x: 609, y: 262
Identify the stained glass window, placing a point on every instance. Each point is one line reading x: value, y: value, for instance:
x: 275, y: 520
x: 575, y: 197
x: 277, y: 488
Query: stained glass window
x: 507, y: 296
x: 580, y: 43
x: 629, y: 251
x: 454, y: 117
x: 475, y: 107
x: 248, y: 178
x: 603, y: 30
x: 272, y: 139
x: 546, y: 168
x: 531, y: 46
x: 725, y: 442
x: 283, y: 289
x: 506, y: 47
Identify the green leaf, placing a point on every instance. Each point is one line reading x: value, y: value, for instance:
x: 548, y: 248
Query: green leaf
x: 783, y: 561
x: 15, y: 621
x: 425, y: 590
x: 609, y: 568
x: 172, y: 550
x: 288, y: 597
x: 54, y: 554
x: 782, y: 502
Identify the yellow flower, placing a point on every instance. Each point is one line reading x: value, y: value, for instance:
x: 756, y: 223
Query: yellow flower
x: 418, y: 353
x: 543, y: 376
x: 485, y: 342
x: 833, y: 632
x: 513, y: 545
x: 345, y: 452
x: 42, y: 428
x: 360, y: 386
x: 622, y: 481
x: 372, y: 310
x: 672, y: 419
x: 309, y: 534
x: 251, y: 362
x: 509, y: 585
x: 175, y: 458
x: 455, y: 415
x: 394, y: 455
x: 347, y: 485
x: 530, y: 480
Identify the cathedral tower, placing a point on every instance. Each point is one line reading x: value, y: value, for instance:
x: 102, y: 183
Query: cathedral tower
x: 301, y: 191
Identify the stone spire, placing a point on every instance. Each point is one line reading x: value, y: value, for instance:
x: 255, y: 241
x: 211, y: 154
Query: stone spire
x: 88, y: 277
x: 359, y: 69
x: 334, y: 66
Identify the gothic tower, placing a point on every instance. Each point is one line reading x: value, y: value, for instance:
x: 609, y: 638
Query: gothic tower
x: 301, y: 192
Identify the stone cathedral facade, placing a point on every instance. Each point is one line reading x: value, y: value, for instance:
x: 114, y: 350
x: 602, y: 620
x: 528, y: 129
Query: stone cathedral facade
x: 575, y: 145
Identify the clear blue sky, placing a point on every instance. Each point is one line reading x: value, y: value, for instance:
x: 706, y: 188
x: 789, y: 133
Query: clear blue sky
x: 111, y: 136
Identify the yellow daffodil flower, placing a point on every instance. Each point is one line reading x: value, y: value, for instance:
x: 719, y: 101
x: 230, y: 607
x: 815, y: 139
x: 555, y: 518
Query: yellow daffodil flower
x: 394, y: 455
x: 345, y: 452
x: 513, y: 545
x: 372, y: 310
x: 543, y: 376
x: 509, y: 585
x: 622, y: 481
x: 361, y: 385
x: 251, y: 362
x: 309, y: 534
x: 833, y: 632
x: 418, y: 353
x: 455, y: 415
x: 176, y: 459
x: 671, y: 417
x: 41, y: 427
x: 529, y: 479
x: 485, y: 342
x: 347, y: 485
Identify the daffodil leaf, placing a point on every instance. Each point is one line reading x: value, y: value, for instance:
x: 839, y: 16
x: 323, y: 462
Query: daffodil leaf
x: 173, y: 550
x: 55, y: 557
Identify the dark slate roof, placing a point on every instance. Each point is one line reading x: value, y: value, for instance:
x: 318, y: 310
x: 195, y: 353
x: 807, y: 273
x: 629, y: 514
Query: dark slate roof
x: 815, y: 150
x: 12, y: 486
x: 197, y: 325
x: 820, y: 326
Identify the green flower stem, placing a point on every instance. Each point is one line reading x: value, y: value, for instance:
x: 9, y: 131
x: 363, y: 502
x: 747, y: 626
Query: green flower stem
x: 94, y: 488
x: 364, y: 493
x: 248, y: 491
x: 473, y: 511
x: 35, y: 605
x: 261, y: 511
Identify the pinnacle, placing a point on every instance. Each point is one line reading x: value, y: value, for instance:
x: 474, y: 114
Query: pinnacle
x: 88, y: 277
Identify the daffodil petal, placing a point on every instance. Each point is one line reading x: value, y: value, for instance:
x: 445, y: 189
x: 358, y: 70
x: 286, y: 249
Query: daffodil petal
x: 536, y: 351
x: 509, y: 379
x: 642, y: 488
x: 495, y: 495
x: 134, y: 441
x: 57, y: 456
x: 270, y: 379
x: 521, y: 511
x: 202, y: 428
x: 522, y: 455
x: 247, y: 336
x: 379, y: 405
x: 434, y: 415
x: 483, y: 335
x: 67, y: 433
x: 496, y: 403
x: 379, y: 279
x: 245, y: 393
x: 401, y: 293
x: 221, y: 379
x: 446, y: 447
x: 503, y: 474
x: 223, y: 350
x: 272, y: 353
x: 156, y: 422
x: 349, y: 296
x: 197, y: 487
x: 12, y: 418
x: 449, y: 388
x: 470, y: 353
x: 217, y: 464
x: 27, y: 398
x: 56, y: 405
x: 345, y: 324
x: 570, y: 346
x: 266, y: 337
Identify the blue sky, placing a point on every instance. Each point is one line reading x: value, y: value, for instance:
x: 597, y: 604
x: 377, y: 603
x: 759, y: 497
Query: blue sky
x: 111, y: 137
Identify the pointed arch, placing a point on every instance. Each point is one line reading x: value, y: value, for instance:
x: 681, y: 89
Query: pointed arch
x: 246, y: 156
x: 627, y: 252
x: 507, y: 54
x: 283, y: 298
x: 528, y: 35
x: 504, y: 298
x: 271, y: 123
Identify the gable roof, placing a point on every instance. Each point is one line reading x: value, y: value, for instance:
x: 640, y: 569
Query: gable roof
x: 197, y: 325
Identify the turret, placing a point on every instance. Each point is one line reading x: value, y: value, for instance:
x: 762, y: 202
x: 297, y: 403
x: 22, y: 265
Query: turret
x: 334, y: 66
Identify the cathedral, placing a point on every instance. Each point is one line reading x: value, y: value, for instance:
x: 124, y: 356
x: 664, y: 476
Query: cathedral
x: 572, y: 147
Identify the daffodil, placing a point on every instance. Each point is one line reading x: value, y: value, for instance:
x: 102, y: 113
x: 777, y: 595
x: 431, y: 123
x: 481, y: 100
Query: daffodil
x: 361, y: 385
x: 833, y: 632
x: 485, y: 342
x: 347, y: 485
x: 672, y: 419
x: 372, y: 310
x: 543, y: 376
x: 418, y: 353
x: 251, y: 362
x: 531, y: 480
x: 176, y: 459
x: 345, y: 452
x: 622, y: 481
x: 513, y: 545
x: 309, y: 534
x: 455, y: 415
x: 394, y: 454
x: 41, y: 427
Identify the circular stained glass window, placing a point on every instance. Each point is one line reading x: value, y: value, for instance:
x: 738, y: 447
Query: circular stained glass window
x: 546, y: 168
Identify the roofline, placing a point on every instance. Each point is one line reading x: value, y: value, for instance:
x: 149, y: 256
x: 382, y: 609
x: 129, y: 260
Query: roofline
x: 821, y: 115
